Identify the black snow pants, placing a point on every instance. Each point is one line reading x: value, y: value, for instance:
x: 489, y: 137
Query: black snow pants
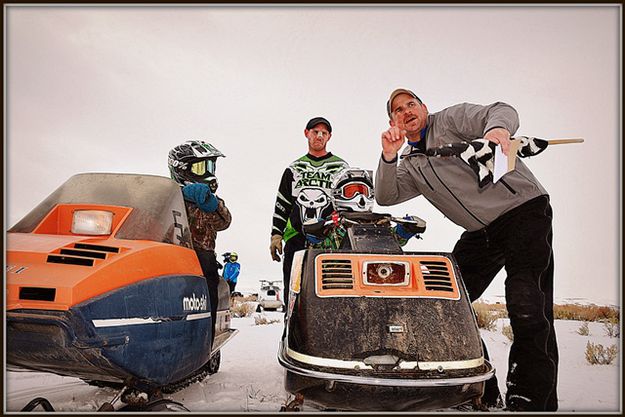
x: 297, y: 242
x: 520, y: 240
x: 208, y: 263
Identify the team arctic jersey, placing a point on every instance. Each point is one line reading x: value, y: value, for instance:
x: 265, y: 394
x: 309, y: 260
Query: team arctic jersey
x: 304, y: 193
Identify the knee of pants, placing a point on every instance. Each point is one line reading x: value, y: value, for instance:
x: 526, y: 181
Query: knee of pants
x: 525, y: 301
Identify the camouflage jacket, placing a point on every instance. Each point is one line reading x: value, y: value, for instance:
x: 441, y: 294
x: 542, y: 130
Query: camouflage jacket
x: 204, y: 225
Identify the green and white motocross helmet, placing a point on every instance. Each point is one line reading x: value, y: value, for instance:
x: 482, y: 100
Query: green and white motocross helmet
x: 194, y: 161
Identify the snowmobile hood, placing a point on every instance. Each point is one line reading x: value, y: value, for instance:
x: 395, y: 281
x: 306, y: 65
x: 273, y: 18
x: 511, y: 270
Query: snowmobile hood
x: 56, y: 272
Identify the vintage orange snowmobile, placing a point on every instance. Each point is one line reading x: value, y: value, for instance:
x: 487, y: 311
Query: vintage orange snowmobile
x: 103, y: 284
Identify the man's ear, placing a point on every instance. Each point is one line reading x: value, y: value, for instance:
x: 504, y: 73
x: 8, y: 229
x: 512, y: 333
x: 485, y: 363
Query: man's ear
x: 391, y: 122
x: 306, y: 132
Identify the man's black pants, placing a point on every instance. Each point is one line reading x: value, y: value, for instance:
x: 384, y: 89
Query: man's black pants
x: 208, y: 263
x: 520, y: 241
x: 292, y: 245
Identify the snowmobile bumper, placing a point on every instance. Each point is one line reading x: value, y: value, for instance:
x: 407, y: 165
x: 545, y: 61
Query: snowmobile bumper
x: 331, y: 389
x: 57, y: 342
x: 291, y: 365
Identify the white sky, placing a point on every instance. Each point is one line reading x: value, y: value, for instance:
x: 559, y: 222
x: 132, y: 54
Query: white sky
x: 112, y: 89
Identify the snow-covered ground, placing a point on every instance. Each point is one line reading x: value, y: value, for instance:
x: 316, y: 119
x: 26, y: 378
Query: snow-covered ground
x: 251, y: 380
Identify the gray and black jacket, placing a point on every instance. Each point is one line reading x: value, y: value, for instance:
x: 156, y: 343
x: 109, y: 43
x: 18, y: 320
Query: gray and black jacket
x: 449, y: 183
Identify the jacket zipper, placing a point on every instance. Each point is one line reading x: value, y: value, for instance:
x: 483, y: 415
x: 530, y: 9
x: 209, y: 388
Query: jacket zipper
x: 426, y: 180
x: 507, y: 186
x: 453, y: 195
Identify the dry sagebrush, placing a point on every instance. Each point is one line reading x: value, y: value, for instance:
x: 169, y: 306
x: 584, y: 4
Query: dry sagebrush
x: 260, y: 319
x: 507, y: 331
x: 242, y: 309
x: 596, y: 354
x: 486, y: 319
x: 583, y: 329
x: 584, y: 312
x: 612, y: 327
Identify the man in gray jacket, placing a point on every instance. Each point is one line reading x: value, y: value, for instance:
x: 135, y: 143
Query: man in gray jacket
x: 507, y: 223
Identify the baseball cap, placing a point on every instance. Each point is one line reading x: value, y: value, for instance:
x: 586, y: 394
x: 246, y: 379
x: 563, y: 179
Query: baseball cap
x: 315, y: 121
x: 395, y: 94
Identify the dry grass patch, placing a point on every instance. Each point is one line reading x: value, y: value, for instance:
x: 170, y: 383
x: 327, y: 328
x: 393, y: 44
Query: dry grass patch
x: 584, y: 312
x: 596, y: 354
x: 507, y: 331
x: 242, y: 309
x: 583, y: 329
x: 245, y: 298
x: 261, y: 319
x: 612, y: 327
x: 578, y: 312
x: 486, y: 319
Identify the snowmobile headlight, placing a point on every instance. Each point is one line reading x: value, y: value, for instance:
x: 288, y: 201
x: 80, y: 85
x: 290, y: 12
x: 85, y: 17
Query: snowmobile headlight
x: 92, y: 222
x: 386, y: 273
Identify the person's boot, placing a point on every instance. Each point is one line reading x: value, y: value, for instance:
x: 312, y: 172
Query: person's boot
x: 493, y: 403
x: 519, y: 403
x: 492, y: 398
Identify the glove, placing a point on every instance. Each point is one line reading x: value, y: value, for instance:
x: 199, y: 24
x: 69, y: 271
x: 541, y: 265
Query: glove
x: 314, y: 240
x: 276, y: 247
x: 201, y: 195
x: 414, y: 225
x: 403, y: 232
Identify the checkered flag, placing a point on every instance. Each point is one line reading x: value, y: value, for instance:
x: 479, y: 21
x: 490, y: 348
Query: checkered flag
x: 478, y: 154
x: 530, y: 146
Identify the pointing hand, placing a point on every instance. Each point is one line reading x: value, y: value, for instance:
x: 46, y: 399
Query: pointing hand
x: 392, y: 141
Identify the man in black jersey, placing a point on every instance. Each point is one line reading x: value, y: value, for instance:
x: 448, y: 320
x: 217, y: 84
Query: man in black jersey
x: 303, y: 194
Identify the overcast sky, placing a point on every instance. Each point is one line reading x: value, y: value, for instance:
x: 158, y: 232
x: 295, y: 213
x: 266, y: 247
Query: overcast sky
x: 112, y: 89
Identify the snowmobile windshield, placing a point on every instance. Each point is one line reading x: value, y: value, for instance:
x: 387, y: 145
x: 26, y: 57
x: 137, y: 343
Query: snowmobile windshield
x: 158, y: 213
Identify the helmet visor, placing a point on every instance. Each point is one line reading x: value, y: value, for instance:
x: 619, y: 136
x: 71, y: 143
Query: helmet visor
x: 353, y: 189
x: 199, y: 168
x: 202, y: 168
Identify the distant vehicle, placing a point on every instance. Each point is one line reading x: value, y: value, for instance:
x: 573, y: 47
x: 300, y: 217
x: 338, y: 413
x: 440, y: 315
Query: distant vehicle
x: 269, y: 297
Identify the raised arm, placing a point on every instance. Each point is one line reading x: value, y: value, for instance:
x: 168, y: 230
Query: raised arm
x: 393, y: 184
x: 496, y: 122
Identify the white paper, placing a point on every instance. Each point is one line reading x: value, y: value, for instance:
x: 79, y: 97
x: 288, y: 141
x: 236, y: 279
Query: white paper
x: 503, y: 164
x: 500, y: 167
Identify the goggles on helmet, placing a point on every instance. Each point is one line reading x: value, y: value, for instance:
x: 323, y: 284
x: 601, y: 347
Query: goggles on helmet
x: 201, y: 168
x: 352, y: 189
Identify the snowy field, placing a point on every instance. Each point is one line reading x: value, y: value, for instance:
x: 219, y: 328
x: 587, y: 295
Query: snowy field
x: 251, y: 380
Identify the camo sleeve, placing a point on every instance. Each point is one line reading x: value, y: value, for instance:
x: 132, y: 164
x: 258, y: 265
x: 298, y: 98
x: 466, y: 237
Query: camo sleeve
x: 223, y: 217
x: 205, y: 225
x: 284, y: 203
